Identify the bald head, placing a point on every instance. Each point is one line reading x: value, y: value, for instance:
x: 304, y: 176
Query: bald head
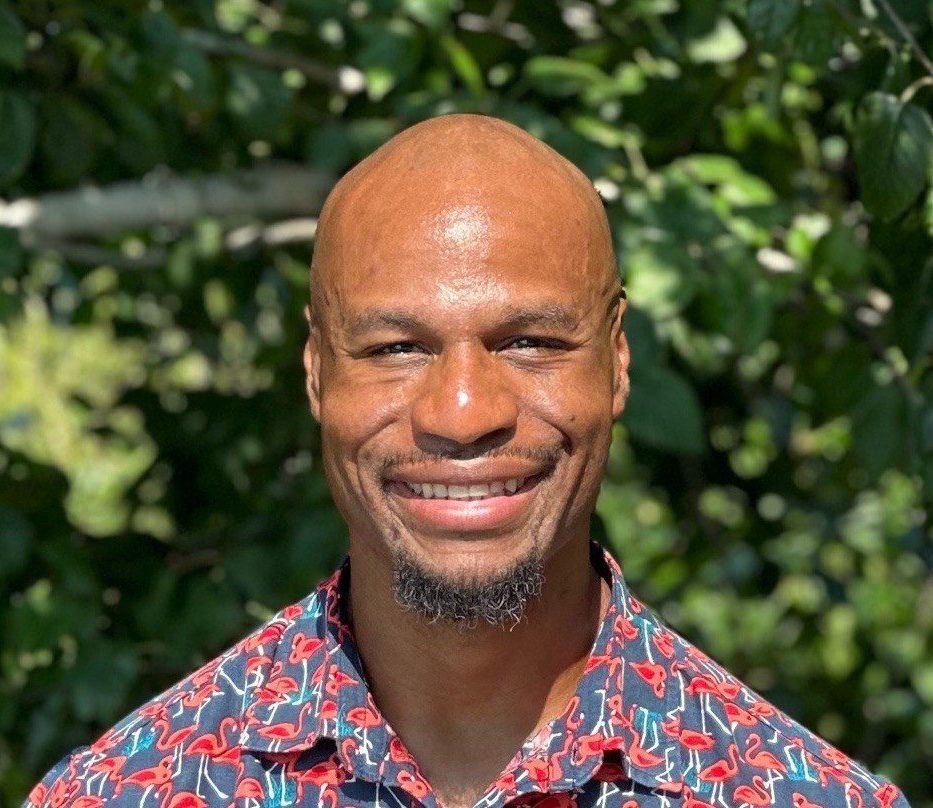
x: 466, y: 180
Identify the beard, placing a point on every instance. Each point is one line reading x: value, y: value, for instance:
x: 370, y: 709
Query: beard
x: 466, y: 602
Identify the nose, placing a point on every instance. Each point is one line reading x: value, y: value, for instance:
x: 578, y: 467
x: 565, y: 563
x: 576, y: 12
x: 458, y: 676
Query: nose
x: 463, y: 400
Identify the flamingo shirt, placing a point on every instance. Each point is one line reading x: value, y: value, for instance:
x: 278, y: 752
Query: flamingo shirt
x: 285, y: 718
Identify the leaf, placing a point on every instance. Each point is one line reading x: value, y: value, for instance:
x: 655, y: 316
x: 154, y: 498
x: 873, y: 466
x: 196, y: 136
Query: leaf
x: 663, y: 410
x: 67, y: 145
x: 817, y: 36
x: 769, y: 20
x: 560, y: 76
x: 724, y: 43
x: 12, y: 39
x: 430, y: 13
x: 17, y: 135
x: 464, y: 65
x: 258, y: 99
x: 893, y: 143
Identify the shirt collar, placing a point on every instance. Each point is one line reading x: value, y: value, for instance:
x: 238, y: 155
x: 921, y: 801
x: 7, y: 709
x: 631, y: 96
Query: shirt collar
x: 305, y: 682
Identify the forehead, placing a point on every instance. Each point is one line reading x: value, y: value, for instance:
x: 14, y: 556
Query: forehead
x: 460, y: 254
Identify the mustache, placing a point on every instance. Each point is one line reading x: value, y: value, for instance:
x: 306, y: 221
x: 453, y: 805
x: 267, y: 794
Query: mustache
x: 547, y: 455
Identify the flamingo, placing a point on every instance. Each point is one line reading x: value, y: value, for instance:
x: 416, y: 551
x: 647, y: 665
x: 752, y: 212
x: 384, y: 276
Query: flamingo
x: 169, y: 740
x: 186, y: 799
x: 754, y: 794
x: 653, y: 673
x: 692, y: 802
x: 158, y: 776
x: 696, y: 740
x: 721, y: 770
x: 88, y: 801
x: 286, y: 730
x: 801, y: 801
x: 212, y: 744
x: 886, y: 794
x: 762, y: 759
x: 250, y: 788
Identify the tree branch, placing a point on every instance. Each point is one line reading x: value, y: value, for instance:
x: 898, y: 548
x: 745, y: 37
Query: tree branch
x: 908, y: 36
x: 347, y: 79
x: 272, y: 192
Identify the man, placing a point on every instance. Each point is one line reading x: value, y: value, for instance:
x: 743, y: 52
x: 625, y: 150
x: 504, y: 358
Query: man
x: 466, y: 360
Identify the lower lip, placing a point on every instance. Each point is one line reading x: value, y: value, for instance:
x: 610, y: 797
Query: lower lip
x: 466, y: 515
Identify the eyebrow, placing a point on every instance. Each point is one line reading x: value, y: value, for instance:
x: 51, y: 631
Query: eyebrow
x: 548, y: 314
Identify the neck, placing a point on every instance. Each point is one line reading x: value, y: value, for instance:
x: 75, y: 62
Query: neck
x: 443, y: 689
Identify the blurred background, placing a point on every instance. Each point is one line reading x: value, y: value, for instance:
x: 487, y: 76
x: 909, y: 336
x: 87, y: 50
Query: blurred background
x: 766, y: 170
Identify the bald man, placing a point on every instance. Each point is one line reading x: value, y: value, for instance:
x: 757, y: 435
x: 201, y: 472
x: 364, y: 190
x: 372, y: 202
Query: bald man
x: 466, y: 360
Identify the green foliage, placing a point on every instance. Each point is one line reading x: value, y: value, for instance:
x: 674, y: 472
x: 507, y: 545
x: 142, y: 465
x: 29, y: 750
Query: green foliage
x: 766, y: 171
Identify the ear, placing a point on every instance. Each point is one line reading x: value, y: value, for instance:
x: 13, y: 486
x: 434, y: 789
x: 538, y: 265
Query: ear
x: 620, y: 359
x: 312, y: 361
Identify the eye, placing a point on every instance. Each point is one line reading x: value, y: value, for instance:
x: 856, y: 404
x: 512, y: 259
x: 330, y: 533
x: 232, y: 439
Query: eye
x: 535, y: 342
x: 393, y: 348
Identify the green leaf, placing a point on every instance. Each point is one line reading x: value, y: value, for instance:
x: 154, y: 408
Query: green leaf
x: 769, y: 20
x: 430, y: 13
x: 817, y: 35
x: 258, y: 99
x: 68, y: 142
x: 12, y: 38
x: 17, y: 135
x: 663, y: 410
x: 724, y: 43
x: 893, y: 143
x: 464, y: 65
x: 559, y: 76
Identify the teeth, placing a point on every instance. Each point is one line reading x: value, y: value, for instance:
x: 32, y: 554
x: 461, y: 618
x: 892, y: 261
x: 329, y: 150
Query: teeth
x: 473, y: 491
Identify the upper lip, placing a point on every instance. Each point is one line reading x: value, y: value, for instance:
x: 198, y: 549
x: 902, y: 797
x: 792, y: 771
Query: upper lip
x: 486, y: 473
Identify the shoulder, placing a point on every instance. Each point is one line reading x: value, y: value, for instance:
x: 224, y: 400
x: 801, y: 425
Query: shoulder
x: 739, y: 747
x: 158, y: 745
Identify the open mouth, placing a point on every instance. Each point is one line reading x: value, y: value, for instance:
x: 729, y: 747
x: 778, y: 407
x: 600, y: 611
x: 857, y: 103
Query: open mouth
x: 467, y: 508
x: 474, y: 491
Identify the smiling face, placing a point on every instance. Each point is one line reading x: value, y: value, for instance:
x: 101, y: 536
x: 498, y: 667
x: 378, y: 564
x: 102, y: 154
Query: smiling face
x: 466, y: 357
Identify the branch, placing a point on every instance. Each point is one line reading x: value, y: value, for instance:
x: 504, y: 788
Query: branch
x: 908, y: 36
x: 274, y: 191
x: 347, y: 79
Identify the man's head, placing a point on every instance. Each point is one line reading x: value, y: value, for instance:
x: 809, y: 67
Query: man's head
x: 466, y: 336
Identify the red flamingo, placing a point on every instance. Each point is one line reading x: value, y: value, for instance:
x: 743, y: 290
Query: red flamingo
x: 762, y: 759
x: 198, y: 697
x: 250, y: 788
x: 886, y: 794
x: 186, y: 799
x: 364, y: 717
x: 169, y: 740
x: 801, y: 801
x: 696, y: 740
x: 692, y: 802
x: 88, y: 801
x: 664, y: 643
x: 702, y: 684
x: 755, y: 794
x: 721, y: 769
x: 413, y: 783
x: 286, y: 730
x: 213, y: 744
x: 111, y: 766
x: 62, y: 792
x: 653, y: 673
x: 159, y: 775
x: 304, y: 647
x: 737, y: 715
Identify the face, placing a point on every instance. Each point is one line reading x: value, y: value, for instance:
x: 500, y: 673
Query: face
x: 466, y: 369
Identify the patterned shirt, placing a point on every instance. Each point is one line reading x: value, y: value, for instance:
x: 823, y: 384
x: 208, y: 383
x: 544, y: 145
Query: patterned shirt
x: 285, y: 718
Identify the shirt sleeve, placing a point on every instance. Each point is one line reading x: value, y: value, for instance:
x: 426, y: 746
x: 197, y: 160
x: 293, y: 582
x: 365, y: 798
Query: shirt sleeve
x: 57, y: 781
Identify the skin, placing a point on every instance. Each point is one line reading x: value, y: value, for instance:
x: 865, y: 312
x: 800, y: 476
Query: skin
x: 460, y: 222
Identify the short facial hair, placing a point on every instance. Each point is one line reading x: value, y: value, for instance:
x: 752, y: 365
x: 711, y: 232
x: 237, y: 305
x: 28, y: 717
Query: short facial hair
x: 498, y: 600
